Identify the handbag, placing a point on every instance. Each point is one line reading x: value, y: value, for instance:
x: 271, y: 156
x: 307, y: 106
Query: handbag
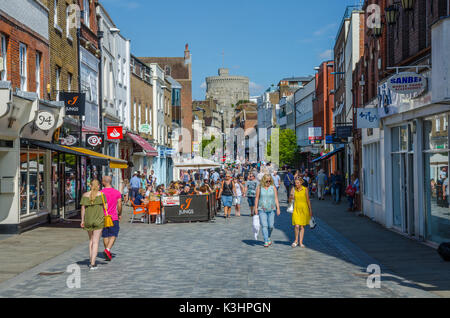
x: 256, y: 226
x: 312, y: 223
x: 290, y: 209
x: 108, y: 219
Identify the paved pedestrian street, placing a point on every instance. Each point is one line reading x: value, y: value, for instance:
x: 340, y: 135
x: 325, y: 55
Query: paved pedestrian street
x: 216, y: 259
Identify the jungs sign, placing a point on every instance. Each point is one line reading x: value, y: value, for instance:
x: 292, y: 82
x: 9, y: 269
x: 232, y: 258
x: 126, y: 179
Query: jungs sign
x: 75, y: 103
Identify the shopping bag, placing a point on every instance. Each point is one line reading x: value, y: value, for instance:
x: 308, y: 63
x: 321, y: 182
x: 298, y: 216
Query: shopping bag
x: 312, y: 223
x: 290, y: 209
x: 256, y: 226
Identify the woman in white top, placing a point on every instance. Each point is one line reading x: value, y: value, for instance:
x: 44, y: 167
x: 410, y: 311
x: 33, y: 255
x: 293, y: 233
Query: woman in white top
x: 238, y: 190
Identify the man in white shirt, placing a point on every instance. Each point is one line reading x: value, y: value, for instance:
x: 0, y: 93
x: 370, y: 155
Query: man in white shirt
x: 276, y: 180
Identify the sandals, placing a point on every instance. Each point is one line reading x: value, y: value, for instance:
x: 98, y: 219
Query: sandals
x: 294, y: 245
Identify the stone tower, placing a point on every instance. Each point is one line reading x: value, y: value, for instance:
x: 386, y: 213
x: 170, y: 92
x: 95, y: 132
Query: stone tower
x: 228, y: 91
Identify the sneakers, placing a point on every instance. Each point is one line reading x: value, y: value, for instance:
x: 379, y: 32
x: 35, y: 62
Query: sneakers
x: 93, y: 267
x: 266, y: 244
x: 108, y: 255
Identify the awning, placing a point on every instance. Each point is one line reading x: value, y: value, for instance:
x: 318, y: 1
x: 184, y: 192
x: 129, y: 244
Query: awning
x: 113, y: 162
x: 96, y: 160
x: 149, y: 150
x: 329, y: 155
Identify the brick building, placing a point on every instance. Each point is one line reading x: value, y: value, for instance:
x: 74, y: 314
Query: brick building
x: 180, y: 69
x: 136, y: 146
x: 406, y: 153
x: 323, y: 108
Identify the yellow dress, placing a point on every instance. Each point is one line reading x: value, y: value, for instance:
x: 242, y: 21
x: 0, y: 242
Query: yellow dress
x: 301, y: 210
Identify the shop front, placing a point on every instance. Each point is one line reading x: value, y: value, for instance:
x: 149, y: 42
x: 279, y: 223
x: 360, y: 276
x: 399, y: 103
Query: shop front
x: 142, y: 154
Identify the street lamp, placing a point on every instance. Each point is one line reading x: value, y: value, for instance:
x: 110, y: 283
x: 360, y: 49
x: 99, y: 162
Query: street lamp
x: 408, y: 5
x: 392, y: 13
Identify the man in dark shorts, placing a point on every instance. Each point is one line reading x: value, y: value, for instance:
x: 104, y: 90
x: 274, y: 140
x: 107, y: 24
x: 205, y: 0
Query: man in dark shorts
x: 114, y: 204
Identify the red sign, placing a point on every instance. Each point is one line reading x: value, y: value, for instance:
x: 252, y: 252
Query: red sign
x: 114, y: 132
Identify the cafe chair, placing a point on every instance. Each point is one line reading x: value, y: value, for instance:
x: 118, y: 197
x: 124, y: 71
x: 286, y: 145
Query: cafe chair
x: 154, y: 208
x: 138, y: 209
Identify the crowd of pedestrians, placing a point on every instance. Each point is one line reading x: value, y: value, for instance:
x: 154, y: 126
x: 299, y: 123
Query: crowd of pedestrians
x: 258, y: 183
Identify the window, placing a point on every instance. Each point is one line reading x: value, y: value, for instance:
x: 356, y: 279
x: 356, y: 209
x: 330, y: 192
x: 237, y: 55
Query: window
x: 32, y: 182
x: 119, y: 70
x: 55, y: 13
x: 23, y: 66
x: 58, y: 79
x: 68, y: 23
x: 3, y: 51
x: 38, y: 74
x: 69, y: 82
x: 124, y: 78
x: 87, y: 13
x: 167, y: 70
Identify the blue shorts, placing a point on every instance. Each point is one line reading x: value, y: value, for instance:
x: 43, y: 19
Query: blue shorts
x: 251, y: 201
x: 227, y: 201
x: 111, y: 231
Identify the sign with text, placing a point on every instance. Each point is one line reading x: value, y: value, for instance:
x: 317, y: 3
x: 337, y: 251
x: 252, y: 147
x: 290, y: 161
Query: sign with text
x: 367, y: 118
x: 315, y: 133
x: 114, y: 132
x: 75, y: 103
x: 171, y: 201
x: 334, y: 140
x: 145, y: 128
x: 344, y: 131
x: 407, y: 83
x: 192, y: 208
x: 45, y: 121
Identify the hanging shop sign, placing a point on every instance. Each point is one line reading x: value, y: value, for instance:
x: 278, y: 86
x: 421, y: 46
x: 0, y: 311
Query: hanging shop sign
x: 75, y: 103
x: 334, y: 140
x: 94, y: 140
x: 114, y: 132
x: 45, y: 121
x: 68, y: 141
x: 315, y: 133
x: 316, y: 142
x: 145, y: 128
x: 344, y: 131
x: 407, y: 83
x: 367, y: 118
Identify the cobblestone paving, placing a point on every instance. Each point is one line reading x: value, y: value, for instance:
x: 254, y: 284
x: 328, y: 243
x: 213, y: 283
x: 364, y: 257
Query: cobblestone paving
x: 216, y: 259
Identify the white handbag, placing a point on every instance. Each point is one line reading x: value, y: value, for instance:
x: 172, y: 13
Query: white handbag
x: 312, y: 223
x: 256, y: 226
x: 290, y: 209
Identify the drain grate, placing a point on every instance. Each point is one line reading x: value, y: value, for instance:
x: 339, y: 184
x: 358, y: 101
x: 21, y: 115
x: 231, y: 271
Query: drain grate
x: 50, y: 273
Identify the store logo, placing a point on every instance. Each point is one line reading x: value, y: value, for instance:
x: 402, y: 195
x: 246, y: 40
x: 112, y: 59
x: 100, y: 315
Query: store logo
x: 115, y: 132
x: 94, y: 140
x: 187, y: 205
x: 45, y: 121
x: 68, y: 141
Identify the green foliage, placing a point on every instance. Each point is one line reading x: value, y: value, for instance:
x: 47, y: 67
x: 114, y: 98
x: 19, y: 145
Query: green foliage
x: 206, y: 142
x: 287, y: 142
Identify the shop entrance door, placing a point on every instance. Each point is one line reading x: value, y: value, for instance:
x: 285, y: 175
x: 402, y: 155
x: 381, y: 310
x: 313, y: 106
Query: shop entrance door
x: 403, y: 180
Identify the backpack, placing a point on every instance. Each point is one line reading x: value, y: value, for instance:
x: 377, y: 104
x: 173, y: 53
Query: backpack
x: 350, y: 191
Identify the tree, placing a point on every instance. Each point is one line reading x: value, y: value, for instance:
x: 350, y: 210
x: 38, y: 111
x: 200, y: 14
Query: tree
x: 287, y: 147
x: 206, y: 142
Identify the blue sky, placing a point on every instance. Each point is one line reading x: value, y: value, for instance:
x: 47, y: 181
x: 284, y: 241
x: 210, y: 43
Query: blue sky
x: 264, y: 40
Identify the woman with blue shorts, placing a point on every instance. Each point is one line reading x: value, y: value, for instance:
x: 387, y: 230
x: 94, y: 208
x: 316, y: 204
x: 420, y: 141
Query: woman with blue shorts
x: 226, y: 194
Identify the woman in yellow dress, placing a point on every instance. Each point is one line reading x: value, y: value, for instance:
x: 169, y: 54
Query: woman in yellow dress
x: 302, y: 211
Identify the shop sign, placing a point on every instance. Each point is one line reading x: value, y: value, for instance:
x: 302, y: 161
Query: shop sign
x: 316, y: 142
x: 45, y: 121
x: 196, y: 147
x: 94, y: 140
x: 114, y: 132
x: 75, y: 103
x: 344, y: 131
x: 407, y: 83
x: 169, y: 152
x: 334, y: 140
x: 367, y: 118
x: 171, y: 201
x: 68, y: 141
x: 145, y: 128
x: 315, y: 133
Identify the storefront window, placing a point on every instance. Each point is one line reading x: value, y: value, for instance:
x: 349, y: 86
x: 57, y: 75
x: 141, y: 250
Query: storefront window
x: 32, y: 182
x: 70, y: 182
x: 436, y: 162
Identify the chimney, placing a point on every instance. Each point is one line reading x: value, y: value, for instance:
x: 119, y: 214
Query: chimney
x: 440, y: 35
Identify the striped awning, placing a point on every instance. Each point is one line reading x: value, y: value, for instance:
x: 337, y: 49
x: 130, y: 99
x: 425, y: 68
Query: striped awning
x: 113, y: 162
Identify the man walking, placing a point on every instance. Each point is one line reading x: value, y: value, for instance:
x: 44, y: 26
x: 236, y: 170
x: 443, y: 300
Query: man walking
x: 321, y: 180
x: 114, y: 205
x: 135, y: 184
x: 276, y: 180
x: 288, y: 182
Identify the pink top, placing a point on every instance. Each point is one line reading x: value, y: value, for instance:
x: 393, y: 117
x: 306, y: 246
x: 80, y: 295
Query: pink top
x: 112, y: 197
